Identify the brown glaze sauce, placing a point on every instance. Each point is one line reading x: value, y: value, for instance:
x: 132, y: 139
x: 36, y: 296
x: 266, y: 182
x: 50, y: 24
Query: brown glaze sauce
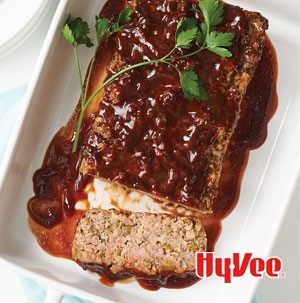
x: 258, y: 107
x: 156, y: 140
x: 58, y: 184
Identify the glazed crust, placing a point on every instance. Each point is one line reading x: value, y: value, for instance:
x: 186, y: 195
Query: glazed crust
x: 144, y: 141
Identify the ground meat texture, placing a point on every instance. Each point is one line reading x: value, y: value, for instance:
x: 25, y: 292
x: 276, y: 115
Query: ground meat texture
x: 141, y: 244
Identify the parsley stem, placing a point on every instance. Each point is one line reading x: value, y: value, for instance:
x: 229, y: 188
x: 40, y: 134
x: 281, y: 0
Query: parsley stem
x: 79, y: 72
x: 118, y: 74
x: 78, y: 128
x: 169, y: 54
x: 171, y: 64
x: 91, y: 67
x: 188, y: 55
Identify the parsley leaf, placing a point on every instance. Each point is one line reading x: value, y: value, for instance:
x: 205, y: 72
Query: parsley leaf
x: 124, y: 17
x: 219, y: 39
x: 204, y: 32
x: 212, y: 11
x: 221, y: 51
x: 216, y: 42
x: 102, y: 26
x: 186, y: 32
x: 68, y: 35
x: 76, y: 32
x: 199, y: 38
x: 192, y: 86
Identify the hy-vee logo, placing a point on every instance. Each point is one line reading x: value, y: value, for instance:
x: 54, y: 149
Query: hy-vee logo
x: 207, y: 265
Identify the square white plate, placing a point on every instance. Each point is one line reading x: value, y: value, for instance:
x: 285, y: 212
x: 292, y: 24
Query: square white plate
x: 253, y: 225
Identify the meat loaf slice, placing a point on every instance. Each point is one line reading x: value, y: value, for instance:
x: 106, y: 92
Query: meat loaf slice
x: 141, y: 244
x: 145, y: 135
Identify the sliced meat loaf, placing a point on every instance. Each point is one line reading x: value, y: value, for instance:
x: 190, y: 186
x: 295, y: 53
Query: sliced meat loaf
x: 140, y: 244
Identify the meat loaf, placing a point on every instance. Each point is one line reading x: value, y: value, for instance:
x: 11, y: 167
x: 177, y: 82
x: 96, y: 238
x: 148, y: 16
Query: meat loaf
x: 140, y: 244
x: 144, y: 134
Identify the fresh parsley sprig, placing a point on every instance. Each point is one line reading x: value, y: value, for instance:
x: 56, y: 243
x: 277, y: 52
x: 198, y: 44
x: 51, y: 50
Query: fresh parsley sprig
x: 124, y: 17
x: 192, y: 86
x: 76, y: 32
x: 186, y: 32
x: 189, y: 33
x: 207, y: 36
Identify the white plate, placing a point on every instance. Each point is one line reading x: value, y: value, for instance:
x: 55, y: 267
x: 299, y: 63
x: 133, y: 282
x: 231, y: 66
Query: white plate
x: 266, y: 190
x: 18, y: 19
